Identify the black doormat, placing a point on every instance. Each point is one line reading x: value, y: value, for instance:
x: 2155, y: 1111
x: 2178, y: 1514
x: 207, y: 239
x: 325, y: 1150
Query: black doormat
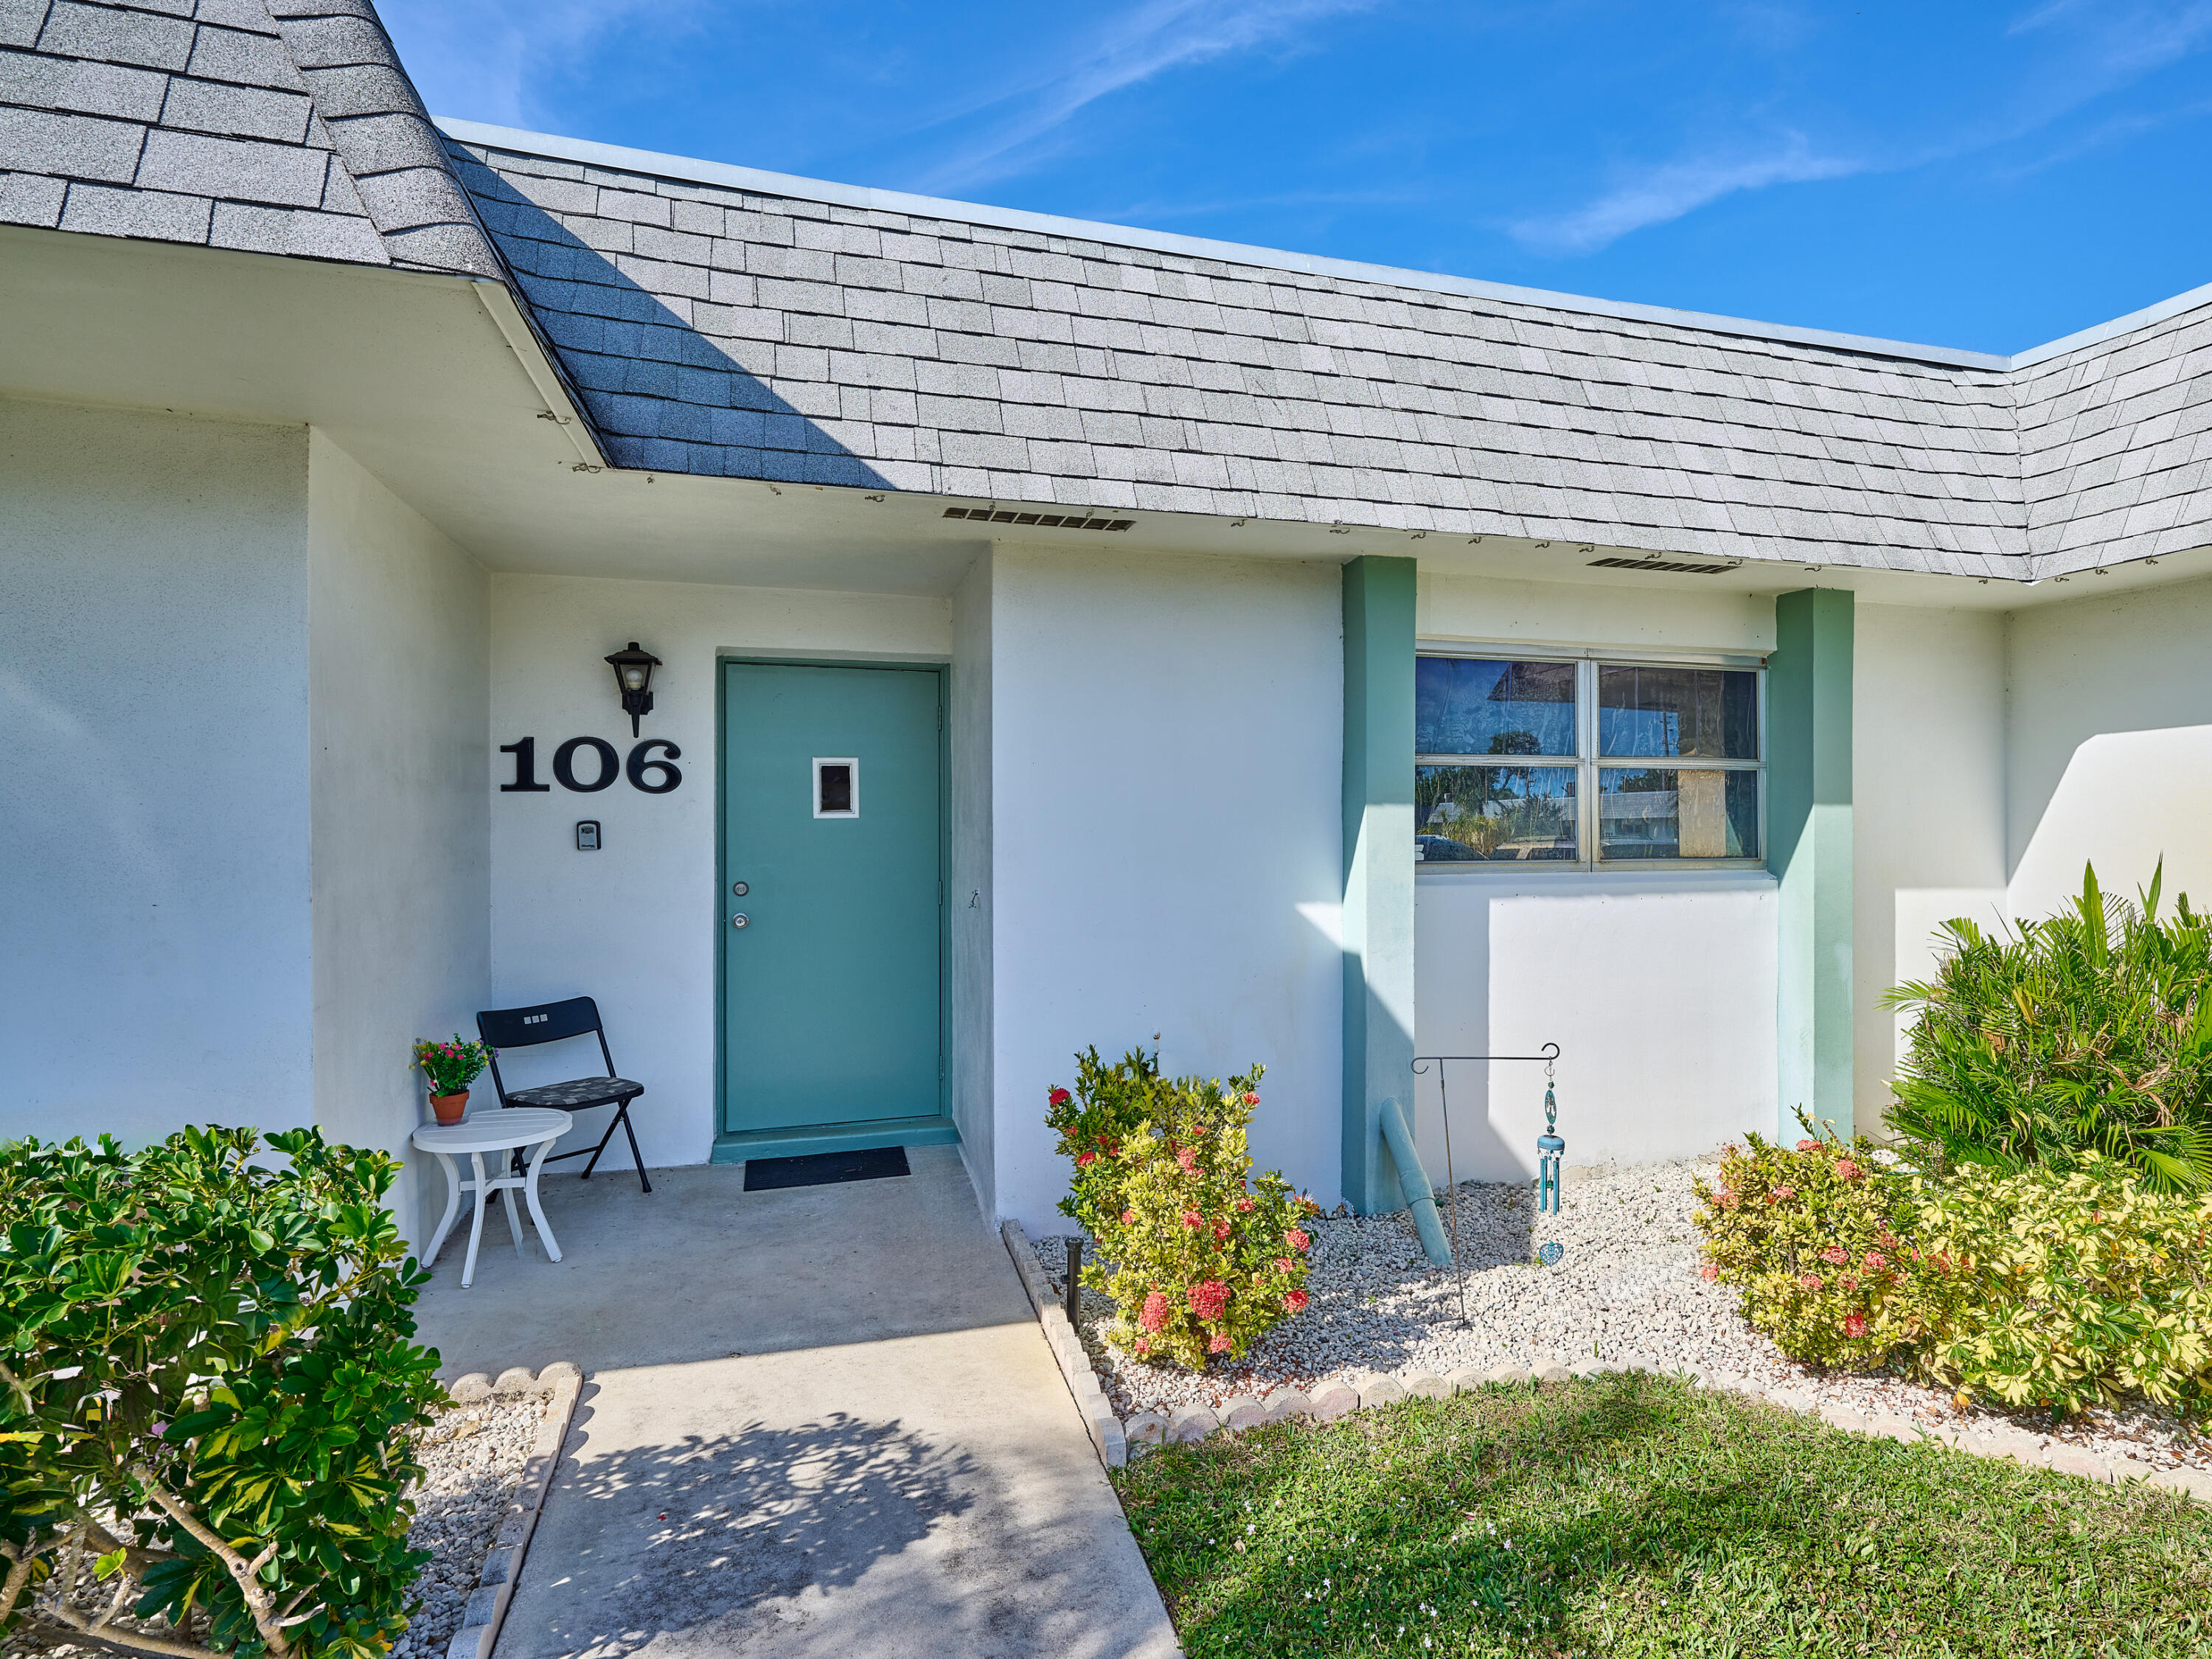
x: 821, y: 1168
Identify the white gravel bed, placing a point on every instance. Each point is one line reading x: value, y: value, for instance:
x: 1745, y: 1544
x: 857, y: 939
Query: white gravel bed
x: 1626, y: 1291
x: 473, y: 1458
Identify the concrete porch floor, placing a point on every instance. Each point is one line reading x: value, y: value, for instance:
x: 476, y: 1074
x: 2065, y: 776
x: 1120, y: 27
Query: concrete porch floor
x: 814, y: 1421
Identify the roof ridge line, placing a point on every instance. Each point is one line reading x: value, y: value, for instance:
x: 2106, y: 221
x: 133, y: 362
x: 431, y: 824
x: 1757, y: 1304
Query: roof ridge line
x: 728, y: 175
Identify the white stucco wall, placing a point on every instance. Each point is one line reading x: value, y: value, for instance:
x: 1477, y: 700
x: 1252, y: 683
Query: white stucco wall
x: 1928, y: 739
x: 1166, y: 741
x: 1658, y: 986
x: 399, y: 644
x: 2109, y: 744
x: 970, y: 899
x: 153, y: 773
x: 637, y: 924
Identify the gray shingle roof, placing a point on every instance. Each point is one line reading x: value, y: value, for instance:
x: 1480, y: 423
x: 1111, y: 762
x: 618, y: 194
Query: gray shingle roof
x: 716, y: 330
x: 718, y: 322
x: 280, y: 126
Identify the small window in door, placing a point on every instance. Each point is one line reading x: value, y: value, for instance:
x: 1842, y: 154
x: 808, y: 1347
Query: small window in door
x: 836, y: 788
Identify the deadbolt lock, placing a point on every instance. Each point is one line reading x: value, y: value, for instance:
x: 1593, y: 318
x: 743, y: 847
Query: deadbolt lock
x: 739, y: 889
x: 738, y: 920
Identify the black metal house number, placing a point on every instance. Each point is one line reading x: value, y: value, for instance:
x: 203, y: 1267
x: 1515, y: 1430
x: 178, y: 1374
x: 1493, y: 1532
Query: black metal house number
x: 602, y: 766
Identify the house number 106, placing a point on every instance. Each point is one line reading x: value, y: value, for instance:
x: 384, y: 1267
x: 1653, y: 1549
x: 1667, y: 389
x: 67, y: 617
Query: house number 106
x: 655, y: 777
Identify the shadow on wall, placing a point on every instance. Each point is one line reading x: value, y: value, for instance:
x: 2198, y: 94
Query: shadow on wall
x: 663, y: 396
x: 711, y: 1539
x: 2125, y: 801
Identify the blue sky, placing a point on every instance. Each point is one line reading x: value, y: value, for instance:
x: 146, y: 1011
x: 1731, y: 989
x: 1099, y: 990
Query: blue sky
x: 1981, y: 175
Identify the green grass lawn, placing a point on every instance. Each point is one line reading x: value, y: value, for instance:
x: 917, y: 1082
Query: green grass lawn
x: 1637, y: 1515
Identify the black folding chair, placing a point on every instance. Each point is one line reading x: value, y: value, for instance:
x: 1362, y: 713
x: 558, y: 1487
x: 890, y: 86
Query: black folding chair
x: 554, y: 1022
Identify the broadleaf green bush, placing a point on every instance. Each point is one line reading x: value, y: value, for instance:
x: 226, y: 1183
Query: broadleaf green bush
x: 1201, y: 1256
x: 2087, y: 1033
x: 208, y: 1393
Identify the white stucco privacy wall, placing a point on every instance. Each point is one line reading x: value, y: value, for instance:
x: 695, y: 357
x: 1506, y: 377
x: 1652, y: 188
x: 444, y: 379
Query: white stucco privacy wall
x: 1927, y: 825
x: 1658, y: 986
x: 399, y: 642
x: 1166, y: 741
x: 153, y: 721
x: 2109, y: 744
x: 637, y: 924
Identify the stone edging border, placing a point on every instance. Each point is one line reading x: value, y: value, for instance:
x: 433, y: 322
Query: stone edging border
x: 1993, y: 1437
x: 558, y: 1384
x: 1106, y: 1434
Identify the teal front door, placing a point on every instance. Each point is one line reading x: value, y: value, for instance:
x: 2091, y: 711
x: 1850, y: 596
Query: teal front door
x: 831, y: 901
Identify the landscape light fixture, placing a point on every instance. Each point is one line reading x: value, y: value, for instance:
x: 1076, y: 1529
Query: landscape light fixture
x: 633, y: 677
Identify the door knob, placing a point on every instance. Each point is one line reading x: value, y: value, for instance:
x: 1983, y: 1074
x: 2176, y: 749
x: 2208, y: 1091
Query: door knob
x: 738, y: 920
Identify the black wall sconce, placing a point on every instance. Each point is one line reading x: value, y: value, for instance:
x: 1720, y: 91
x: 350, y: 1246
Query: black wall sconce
x: 633, y: 675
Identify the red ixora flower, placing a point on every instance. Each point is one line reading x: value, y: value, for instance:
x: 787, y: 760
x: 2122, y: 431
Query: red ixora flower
x: 1780, y: 1193
x: 1188, y: 1159
x: 1082, y: 1158
x: 1220, y: 1344
x: 1846, y: 1168
x: 1128, y: 1218
x: 1295, y: 1301
x: 1059, y: 1097
x: 1209, y: 1300
x: 1811, y: 1281
x: 1724, y: 1199
x: 1808, y: 1146
x: 1193, y: 1219
x: 1244, y: 1204
x: 1835, y: 1255
x: 1296, y: 1239
x: 1283, y: 1264
x: 1143, y: 1345
x: 1875, y: 1261
x: 1153, y: 1315
x: 1220, y: 1229
x: 1854, y: 1324
x: 1709, y: 1272
x: 1251, y: 1100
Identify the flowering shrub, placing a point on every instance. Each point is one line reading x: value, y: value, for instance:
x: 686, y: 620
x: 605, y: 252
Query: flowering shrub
x: 452, y: 1066
x: 2067, y: 1288
x: 1200, y: 1257
x: 1107, y: 1107
x: 1819, y: 1238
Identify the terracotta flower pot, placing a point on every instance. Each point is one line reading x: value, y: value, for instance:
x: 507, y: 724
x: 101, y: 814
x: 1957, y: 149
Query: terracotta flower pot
x: 449, y: 1108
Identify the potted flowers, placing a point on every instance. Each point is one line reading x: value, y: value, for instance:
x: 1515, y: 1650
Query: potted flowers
x: 450, y: 1067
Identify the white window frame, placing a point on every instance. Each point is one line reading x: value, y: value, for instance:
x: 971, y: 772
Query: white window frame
x: 1586, y: 763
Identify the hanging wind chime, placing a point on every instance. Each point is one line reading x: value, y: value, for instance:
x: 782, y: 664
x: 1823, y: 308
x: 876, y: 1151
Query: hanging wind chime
x: 1549, y: 1148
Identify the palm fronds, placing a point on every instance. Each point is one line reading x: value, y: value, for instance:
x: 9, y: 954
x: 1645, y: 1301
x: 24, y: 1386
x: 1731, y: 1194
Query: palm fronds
x: 2088, y: 1031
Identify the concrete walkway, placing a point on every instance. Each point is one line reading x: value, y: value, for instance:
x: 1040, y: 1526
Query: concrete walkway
x: 820, y: 1421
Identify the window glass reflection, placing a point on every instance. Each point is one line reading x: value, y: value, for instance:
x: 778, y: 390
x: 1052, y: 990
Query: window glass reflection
x: 1711, y: 714
x: 1663, y: 812
x: 1493, y: 814
x: 1468, y: 706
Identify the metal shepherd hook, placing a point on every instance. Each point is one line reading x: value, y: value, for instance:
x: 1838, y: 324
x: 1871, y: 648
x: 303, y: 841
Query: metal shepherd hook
x: 1549, y: 1146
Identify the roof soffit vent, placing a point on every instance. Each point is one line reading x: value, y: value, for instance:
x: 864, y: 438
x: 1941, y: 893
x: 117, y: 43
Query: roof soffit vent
x: 1671, y: 566
x: 1042, y: 520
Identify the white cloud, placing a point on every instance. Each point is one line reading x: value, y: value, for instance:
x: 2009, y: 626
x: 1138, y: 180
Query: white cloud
x: 1146, y: 41
x: 1668, y: 191
x: 479, y: 60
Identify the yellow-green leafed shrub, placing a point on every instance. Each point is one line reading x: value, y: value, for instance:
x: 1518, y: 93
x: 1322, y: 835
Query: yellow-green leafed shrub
x: 2067, y: 1288
x: 1201, y: 1257
x: 1818, y: 1239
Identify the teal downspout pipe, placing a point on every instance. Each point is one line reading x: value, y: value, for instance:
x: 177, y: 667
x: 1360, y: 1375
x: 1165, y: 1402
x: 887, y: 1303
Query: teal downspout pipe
x: 1413, y: 1182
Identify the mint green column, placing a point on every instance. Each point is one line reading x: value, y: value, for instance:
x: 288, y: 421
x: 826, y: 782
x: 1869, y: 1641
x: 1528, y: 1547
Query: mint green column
x: 1378, y: 869
x: 1808, y: 848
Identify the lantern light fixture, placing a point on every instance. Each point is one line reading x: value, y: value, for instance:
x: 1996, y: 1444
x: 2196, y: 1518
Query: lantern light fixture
x: 634, y: 669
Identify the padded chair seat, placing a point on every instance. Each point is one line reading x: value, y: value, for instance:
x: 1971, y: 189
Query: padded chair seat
x: 577, y: 1093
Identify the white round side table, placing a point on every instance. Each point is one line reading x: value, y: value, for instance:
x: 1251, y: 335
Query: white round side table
x: 500, y: 1130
